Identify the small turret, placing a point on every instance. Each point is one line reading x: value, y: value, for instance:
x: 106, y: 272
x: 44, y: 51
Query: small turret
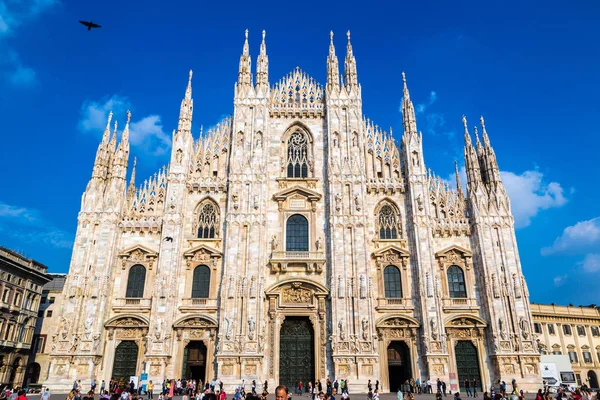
x: 409, y: 120
x: 488, y: 159
x: 350, y: 74
x: 262, y: 66
x: 186, y: 109
x: 459, y: 190
x: 333, y: 70
x: 99, y: 169
x: 245, y: 71
x: 471, y: 159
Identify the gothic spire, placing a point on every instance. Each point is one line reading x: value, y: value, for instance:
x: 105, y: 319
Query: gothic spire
x: 408, y: 110
x: 99, y: 169
x: 459, y: 190
x: 244, y: 73
x: 333, y: 70
x: 488, y: 158
x: 471, y: 159
x: 186, y: 109
x: 262, y: 65
x: 350, y: 75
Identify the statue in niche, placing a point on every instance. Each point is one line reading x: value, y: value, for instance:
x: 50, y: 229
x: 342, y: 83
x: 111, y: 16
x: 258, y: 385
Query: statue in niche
x: 228, y: 328
x: 341, y: 287
x: 524, y: 325
x: 89, y: 321
x: 259, y: 141
x: 319, y: 244
x: 274, y: 243
x: 251, y: 328
x: 502, y: 328
x: 338, y: 202
x: 341, y: 328
x: 357, y: 202
x: 433, y: 326
x: 231, y: 287
x: 362, y: 288
x: 365, y: 328
x: 179, y: 156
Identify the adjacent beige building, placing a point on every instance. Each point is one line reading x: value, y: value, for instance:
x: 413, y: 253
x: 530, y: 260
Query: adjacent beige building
x: 21, y: 281
x: 45, y: 327
x: 295, y: 240
x: 572, y: 331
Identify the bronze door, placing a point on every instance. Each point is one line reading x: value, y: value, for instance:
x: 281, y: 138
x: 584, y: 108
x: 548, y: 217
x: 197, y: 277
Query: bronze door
x: 296, y: 352
x: 125, y: 364
x: 467, y: 362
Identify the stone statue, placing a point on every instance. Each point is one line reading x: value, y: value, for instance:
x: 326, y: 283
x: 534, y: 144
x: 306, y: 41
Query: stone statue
x: 341, y: 328
x: 419, y: 203
x: 319, y: 243
x: 89, y: 321
x: 253, y: 287
x: 179, y: 156
x: 228, y: 328
x: 274, y: 243
x: 365, y: 327
x: 357, y: 202
x: 63, y: 328
x: 524, y: 325
x: 338, y: 202
x: 231, y: 287
x: 341, y: 287
x: 251, y: 328
x: 429, y: 285
x: 502, y: 328
x: 433, y: 326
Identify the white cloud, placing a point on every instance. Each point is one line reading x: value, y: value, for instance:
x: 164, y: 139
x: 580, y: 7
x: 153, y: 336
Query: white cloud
x: 146, y: 133
x: 529, y: 194
x: 28, y: 226
x: 560, y: 280
x: 581, y: 238
x: 591, y: 263
x: 13, y: 15
x: 422, y: 107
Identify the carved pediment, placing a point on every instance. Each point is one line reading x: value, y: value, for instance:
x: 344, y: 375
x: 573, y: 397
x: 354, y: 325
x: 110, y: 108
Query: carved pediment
x: 397, y: 321
x: 454, y: 250
x: 202, y: 254
x: 126, y: 321
x: 392, y: 254
x: 138, y: 254
x: 308, y: 194
x: 196, y: 321
x: 296, y: 294
x: 465, y: 321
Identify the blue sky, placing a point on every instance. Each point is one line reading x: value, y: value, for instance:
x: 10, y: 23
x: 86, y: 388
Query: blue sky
x: 531, y: 68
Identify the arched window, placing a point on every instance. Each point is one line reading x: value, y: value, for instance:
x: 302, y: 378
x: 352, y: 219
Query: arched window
x: 136, y: 282
x: 389, y: 223
x: 296, y: 233
x: 297, y: 155
x: 208, y: 221
x: 201, y: 282
x: 391, y: 280
x: 456, y: 283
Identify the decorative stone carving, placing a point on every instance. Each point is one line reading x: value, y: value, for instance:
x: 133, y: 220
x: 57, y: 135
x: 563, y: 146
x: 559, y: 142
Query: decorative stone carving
x: 251, y: 328
x: 295, y: 294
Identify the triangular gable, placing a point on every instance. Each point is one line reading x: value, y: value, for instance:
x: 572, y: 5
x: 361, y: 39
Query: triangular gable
x: 393, y: 248
x: 202, y: 249
x: 459, y: 249
x: 138, y: 249
x: 309, y: 194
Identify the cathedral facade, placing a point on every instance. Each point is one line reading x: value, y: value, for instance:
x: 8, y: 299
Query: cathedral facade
x: 295, y: 240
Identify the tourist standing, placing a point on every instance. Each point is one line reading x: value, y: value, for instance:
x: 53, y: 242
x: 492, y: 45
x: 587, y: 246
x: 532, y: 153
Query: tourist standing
x: 46, y: 395
x: 149, y: 389
x: 468, y: 387
x: 475, y: 387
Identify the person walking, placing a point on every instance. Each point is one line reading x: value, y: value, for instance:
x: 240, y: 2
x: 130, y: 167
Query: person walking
x: 468, y: 387
x: 475, y: 387
x: 149, y: 389
x: 46, y: 394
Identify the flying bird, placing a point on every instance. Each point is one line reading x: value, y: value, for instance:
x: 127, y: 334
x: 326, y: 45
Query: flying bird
x: 90, y: 25
x: 168, y: 239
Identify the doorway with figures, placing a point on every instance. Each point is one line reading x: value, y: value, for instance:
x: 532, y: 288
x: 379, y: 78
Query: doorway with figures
x: 399, y: 366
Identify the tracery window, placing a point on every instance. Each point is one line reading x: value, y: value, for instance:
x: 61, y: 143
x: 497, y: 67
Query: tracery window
x: 392, y: 282
x: 201, y: 282
x: 208, y: 221
x: 296, y: 233
x: 297, y: 155
x: 456, y: 283
x: 389, y: 223
x: 136, y: 282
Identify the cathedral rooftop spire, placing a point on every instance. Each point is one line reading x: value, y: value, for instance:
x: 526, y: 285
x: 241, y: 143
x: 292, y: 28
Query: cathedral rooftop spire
x: 186, y: 109
x: 244, y: 72
x: 468, y: 141
x: 333, y: 71
x: 409, y: 119
x: 350, y: 74
x: 106, y: 135
x: 486, y: 139
x: 125, y: 137
x: 262, y: 66
x: 459, y: 190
